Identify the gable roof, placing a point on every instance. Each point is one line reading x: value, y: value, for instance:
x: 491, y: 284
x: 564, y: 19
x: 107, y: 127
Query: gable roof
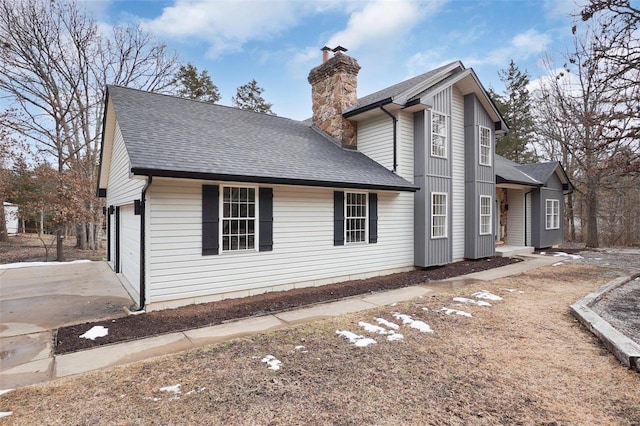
x: 536, y: 174
x: 174, y: 137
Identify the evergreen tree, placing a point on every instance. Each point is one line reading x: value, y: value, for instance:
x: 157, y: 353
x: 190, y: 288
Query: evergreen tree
x: 515, y: 106
x: 192, y: 85
x: 249, y: 97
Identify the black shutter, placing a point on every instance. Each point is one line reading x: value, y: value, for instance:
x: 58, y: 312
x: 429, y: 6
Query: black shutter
x: 210, y: 219
x: 338, y: 218
x: 265, y: 207
x: 373, y: 218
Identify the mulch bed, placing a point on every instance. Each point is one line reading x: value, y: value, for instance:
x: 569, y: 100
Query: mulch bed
x: 195, y: 316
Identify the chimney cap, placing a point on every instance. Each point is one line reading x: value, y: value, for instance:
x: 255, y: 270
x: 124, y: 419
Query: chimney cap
x: 326, y: 49
x: 339, y: 49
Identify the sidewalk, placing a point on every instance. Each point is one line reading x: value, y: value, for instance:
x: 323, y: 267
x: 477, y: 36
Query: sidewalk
x: 42, y: 365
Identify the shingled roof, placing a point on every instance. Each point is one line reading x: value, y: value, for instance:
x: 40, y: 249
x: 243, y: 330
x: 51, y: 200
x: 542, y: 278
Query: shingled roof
x: 169, y: 136
x: 509, y: 172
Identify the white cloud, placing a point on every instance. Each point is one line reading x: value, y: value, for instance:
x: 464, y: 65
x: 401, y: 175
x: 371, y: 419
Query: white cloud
x: 522, y: 46
x: 225, y: 24
x: 562, y: 9
x: 382, y: 20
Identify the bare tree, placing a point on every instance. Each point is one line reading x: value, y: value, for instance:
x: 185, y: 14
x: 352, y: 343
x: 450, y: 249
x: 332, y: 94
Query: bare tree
x: 54, y: 65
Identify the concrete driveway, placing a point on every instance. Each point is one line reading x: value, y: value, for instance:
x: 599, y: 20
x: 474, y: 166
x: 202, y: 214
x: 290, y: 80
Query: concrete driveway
x: 36, y: 300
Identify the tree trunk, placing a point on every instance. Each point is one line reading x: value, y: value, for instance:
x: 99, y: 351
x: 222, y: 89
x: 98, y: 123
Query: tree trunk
x: 4, y: 235
x: 591, y: 201
x: 570, y: 219
x: 59, y: 244
x: 81, y: 236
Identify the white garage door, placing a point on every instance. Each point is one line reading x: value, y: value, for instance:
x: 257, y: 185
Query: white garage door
x: 130, y: 246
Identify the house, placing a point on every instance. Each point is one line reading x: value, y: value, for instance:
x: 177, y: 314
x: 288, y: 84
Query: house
x: 207, y: 202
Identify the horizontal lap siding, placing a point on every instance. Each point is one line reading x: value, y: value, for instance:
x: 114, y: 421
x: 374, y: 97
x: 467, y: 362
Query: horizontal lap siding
x: 303, y: 249
x: 375, y: 140
x: 121, y: 188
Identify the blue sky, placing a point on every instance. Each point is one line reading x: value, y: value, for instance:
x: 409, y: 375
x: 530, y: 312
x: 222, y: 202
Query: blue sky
x: 277, y: 42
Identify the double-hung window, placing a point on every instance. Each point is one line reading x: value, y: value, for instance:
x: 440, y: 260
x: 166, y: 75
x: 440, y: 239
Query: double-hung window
x: 553, y: 214
x: 438, y: 215
x: 356, y: 217
x: 485, y: 215
x: 438, y: 134
x: 485, y: 146
x: 238, y: 218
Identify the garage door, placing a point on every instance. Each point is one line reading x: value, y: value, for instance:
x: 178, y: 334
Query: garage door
x: 130, y: 246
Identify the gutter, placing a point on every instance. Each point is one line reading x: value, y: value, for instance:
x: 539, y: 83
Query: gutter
x: 143, y: 284
x: 367, y: 107
x: 395, y: 138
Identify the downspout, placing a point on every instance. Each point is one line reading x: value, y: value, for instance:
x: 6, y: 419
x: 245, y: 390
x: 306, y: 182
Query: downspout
x: 143, y: 285
x: 395, y: 137
x: 525, y: 216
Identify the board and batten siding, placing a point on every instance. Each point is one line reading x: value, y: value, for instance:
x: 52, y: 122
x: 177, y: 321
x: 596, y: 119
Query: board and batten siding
x: 457, y: 175
x: 303, y: 250
x: 375, y: 140
x: 515, y: 217
x: 405, y: 145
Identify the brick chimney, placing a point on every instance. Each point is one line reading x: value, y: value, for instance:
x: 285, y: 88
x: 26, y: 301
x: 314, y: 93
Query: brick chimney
x: 334, y: 86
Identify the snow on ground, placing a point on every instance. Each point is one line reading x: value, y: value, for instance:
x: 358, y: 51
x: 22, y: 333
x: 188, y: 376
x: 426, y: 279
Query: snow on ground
x: 386, y: 323
x: 272, y: 362
x: 418, y: 325
x: 29, y: 264
x: 5, y: 413
x: 449, y: 311
x: 94, y: 332
x: 373, y: 328
x: 485, y: 294
x: 356, y: 339
x: 394, y: 336
x: 175, y: 389
x: 471, y: 301
x: 3, y: 391
x: 513, y: 290
x: 558, y: 264
x: 300, y: 348
x: 563, y: 254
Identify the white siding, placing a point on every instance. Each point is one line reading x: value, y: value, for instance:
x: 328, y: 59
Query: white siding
x: 303, y: 251
x: 121, y: 188
x: 515, y: 217
x: 405, y: 145
x: 528, y: 201
x: 130, y: 246
x: 457, y: 178
x: 375, y: 140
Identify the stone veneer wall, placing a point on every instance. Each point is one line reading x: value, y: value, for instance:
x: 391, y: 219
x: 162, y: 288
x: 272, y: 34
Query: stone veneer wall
x: 334, y: 89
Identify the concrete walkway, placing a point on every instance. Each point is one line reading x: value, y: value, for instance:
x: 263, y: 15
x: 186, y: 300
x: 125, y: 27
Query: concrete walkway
x: 39, y: 364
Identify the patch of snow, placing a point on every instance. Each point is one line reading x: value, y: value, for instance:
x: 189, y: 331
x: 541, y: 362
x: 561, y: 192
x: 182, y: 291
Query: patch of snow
x: 5, y: 413
x: 484, y: 294
x: 386, y: 323
x: 449, y: 311
x: 95, y: 332
x: 513, y: 290
x: 272, y: 362
x: 543, y: 253
x: 373, y: 328
x: 597, y: 258
x: 3, y: 391
x: 394, y: 336
x: 356, y: 339
x: 558, y: 264
x: 563, y: 254
x: 29, y: 264
x: 300, y: 348
x: 175, y: 389
x: 471, y: 301
x: 418, y: 325
x: 425, y: 309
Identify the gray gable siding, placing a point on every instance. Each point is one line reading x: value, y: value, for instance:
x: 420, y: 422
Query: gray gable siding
x: 543, y: 237
x: 479, y: 180
x: 432, y: 174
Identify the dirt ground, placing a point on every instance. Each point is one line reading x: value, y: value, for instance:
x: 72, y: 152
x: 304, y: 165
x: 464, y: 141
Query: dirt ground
x: 29, y: 248
x: 524, y: 360
x: 206, y: 314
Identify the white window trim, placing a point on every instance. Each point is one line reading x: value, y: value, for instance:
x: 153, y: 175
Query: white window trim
x: 486, y: 215
x: 446, y: 216
x: 446, y: 135
x: 256, y: 230
x: 555, y: 212
x: 366, y: 218
x: 480, y: 145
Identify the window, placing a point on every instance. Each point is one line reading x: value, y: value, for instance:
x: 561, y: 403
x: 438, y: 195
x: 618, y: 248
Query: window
x: 238, y: 218
x: 356, y: 217
x: 438, y: 215
x: 438, y: 134
x: 485, y: 146
x: 485, y: 215
x: 553, y: 214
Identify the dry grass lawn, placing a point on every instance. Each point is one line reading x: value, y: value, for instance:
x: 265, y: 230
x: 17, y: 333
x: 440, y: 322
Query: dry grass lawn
x: 524, y: 360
